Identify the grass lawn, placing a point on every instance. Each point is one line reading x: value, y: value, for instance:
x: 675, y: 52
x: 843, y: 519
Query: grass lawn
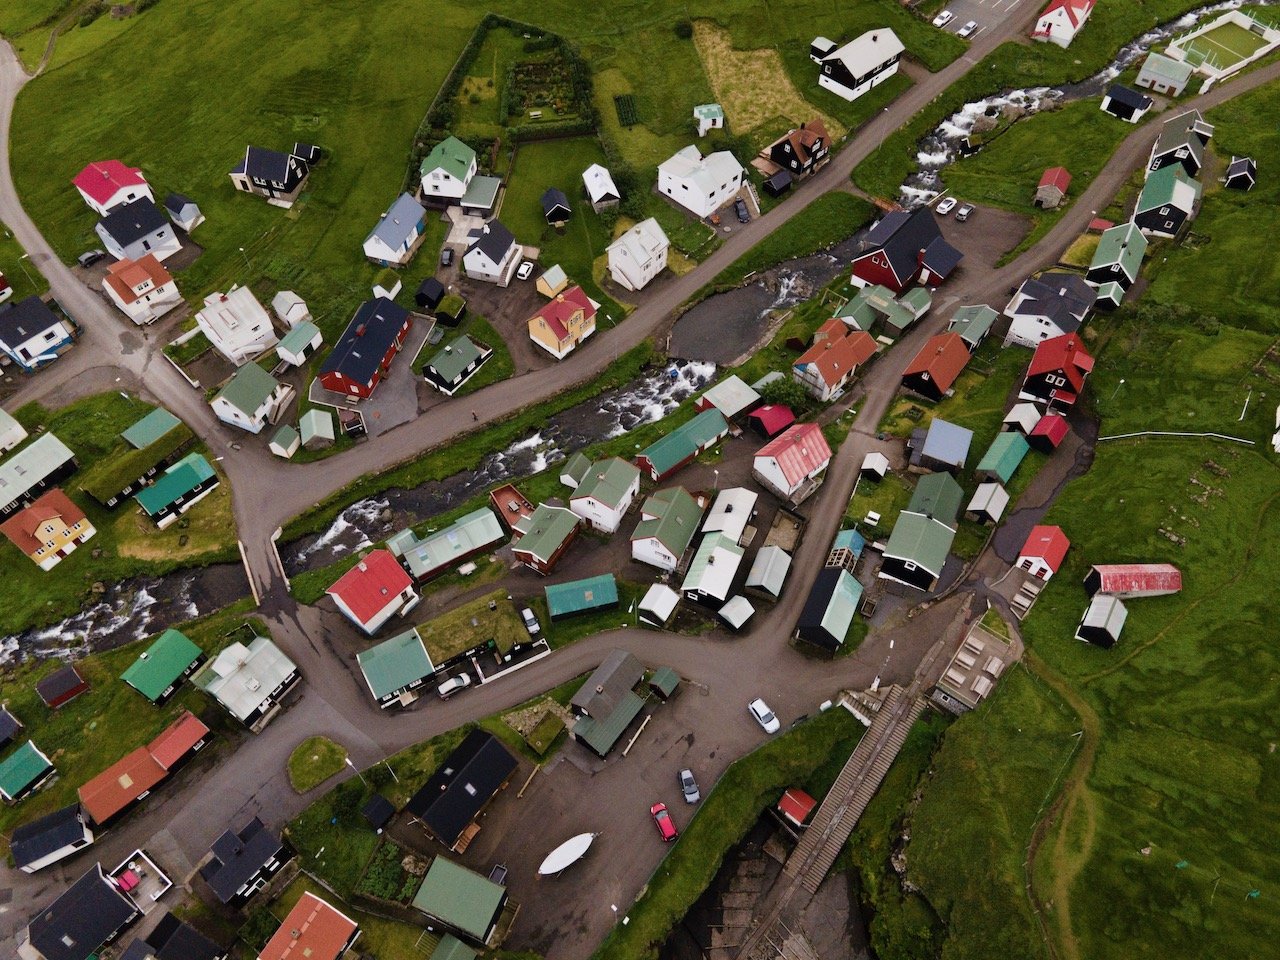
x: 129, y: 546
x: 315, y: 760
x: 21, y: 276
x: 497, y: 367
x: 379, y: 937
x: 472, y: 624
x: 103, y: 724
x: 809, y: 756
x: 1247, y: 294
x: 558, y: 163
x: 831, y: 218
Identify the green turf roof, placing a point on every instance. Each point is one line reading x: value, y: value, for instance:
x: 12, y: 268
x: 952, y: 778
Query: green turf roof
x: 163, y: 663
x: 111, y: 474
x: 150, y: 428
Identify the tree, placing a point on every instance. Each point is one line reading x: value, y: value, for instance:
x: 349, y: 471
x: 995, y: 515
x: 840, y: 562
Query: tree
x: 684, y: 29
x: 788, y: 393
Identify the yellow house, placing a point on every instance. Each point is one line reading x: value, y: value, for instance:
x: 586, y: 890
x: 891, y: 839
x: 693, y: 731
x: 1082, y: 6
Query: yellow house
x: 564, y: 322
x: 49, y: 529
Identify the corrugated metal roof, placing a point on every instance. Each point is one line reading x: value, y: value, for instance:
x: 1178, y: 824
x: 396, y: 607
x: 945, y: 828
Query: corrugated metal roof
x: 576, y: 596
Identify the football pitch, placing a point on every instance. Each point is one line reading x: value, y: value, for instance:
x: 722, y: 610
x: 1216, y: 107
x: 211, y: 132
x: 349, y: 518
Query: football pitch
x: 1224, y: 46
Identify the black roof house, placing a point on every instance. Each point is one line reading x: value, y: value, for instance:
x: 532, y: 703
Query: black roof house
x: 307, y: 151
x: 555, y: 205
x: 132, y: 221
x: 493, y: 240
x: 1065, y: 298
x: 241, y: 860
x: 25, y: 319
x: 174, y: 203
x: 9, y: 727
x: 1124, y: 103
x: 60, y: 686
x: 430, y: 293
x: 910, y: 240
x: 364, y: 344
x: 462, y: 786
x: 1242, y: 174
x: 90, y: 913
x: 378, y: 811
x: 778, y: 184
x: 61, y: 830
x: 270, y: 165
x: 172, y: 939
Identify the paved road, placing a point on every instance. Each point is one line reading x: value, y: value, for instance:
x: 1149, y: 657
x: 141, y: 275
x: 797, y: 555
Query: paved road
x: 268, y: 491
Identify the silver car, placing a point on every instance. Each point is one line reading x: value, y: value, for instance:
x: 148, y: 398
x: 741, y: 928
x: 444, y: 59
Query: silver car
x: 689, y: 787
x: 764, y: 716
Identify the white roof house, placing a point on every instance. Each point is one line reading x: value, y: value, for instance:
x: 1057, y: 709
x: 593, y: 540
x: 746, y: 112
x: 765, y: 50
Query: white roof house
x: 875, y: 464
x: 12, y: 432
x: 862, y: 63
x: 658, y: 605
x: 731, y: 396
x: 601, y: 190
x: 712, y: 569
x: 769, y: 571
x: 290, y: 308
x: 730, y: 513
x: 638, y: 255
x: 248, y: 681
x: 1023, y: 417
x: 989, y: 502
x: 236, y: 324
x: 702, y: 185
x: 737, y: 612
x: 709, y: 116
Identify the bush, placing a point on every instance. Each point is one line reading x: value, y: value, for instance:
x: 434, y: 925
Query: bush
x: 788, y: 393
x: 92, y: 13
x: 684, y: 29
x: 259, y: 928
x: 142, y: 5
x: 384, y: 878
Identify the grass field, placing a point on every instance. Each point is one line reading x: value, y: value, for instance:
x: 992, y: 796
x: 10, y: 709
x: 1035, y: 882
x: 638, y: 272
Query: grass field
x: 314, y: 761
x: 1247, y: 294
x: 23, y: 278
x: 101, y: 725
x: 128, y: 546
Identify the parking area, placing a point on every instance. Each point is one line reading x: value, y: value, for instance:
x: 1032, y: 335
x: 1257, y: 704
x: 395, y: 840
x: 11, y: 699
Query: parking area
x: 985, y: 13
x: 985, y: 237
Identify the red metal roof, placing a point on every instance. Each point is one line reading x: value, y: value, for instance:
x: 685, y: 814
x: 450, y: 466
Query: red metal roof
x: 1076, y: 10
x: 796, y: 805
x: 1053, y: 427
x: 773, y: 417
x: 942, y: 357
x: 21, y: 527
x: 1100, y: 224
x: 313, y: 930
x: 1058, y: 177
x: 1123, y: 578
x: 176, y: 741
x: 835, y: 356
x: 126, y: 275
x: 371, y: 584
x: 557, y: 312
x: 103, y: 179
x: 1066, y: 354
x: 1048, y: 544
x: 121, y: 784
x: 799, y: 451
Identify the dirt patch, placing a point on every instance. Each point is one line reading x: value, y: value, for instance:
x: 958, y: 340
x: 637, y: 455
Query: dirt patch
x: 752, y: 85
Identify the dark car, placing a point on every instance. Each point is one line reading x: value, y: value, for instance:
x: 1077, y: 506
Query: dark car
x: 666, y: 826
x: 90, y: 258
x: 446, y: 256
x: 740, y: 208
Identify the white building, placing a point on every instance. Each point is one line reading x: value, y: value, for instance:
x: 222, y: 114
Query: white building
x: 709, y: 116
x: 299, y: 343
x: 107, y: 184
x: 1061, y: 20
x: 143, y: 289
x: 134, y: 229
x: 492, y: 255
x: 290, y: 308
x: 730, y: 513
x: 861, y: 64
x: 601, y: 190
x: 251, y: 399
x: 12, y: 432
x: 604, y: 495
x: 712, y: 569
x: 236, y: 324
x: 639, y: 255
x: 791, y: 465
x: 395, y: 238
x: 702, y: 185
x: 447, y: 170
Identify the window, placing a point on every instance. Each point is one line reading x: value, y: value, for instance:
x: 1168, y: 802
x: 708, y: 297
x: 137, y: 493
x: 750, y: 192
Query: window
x: 50, y: 335
x: 146, y: 244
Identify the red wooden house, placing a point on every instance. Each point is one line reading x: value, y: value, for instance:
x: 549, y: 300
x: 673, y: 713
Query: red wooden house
x: 1057, y: 372
x: 363, y: 355
x: 905, y: 249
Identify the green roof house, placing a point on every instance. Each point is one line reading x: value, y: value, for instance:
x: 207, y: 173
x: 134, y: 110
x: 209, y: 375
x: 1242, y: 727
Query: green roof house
x: 1116, y: 262
x: 251, y: 399
x: 460, y: 900
x: 1167, y: 202
x: 150, y: 444
x: 544, y: 537
x: 447, y: 171
x: 830, y: 608
x: 581, y: 596
x: 1164, y: 74
x: 456, y: 363
x: 973, y: 324
x: 316, y: 428
x: 150, y: 428
x: 285, y: 442
x: 23, y: 771
x: 395, y: 669
x: 607, y: 703
x: 179, y: 489
x: 299, y: 343
x: 917, y: 550
x: 603, y: 496
x: 1003, y: 457
x: 467, y: 536
x: 161, y: 668
x: 668, y: 521
x: 668, y: 454
x: 574, y: 469
x: 939, y: 496
x: 451, y: 948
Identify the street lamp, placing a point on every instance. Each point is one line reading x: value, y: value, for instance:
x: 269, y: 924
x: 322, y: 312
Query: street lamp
x: 246, y: 259
x: 716, y: 484
x: 27, y: 273
x: 348, y: 762
x: 1117, y: 389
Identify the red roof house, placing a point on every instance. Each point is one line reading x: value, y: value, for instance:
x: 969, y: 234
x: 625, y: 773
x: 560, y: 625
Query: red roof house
x: 373, y: 591
x: 563, y: 322
x: 1126, y: 580
x: 934, y: 370
x: 792, y: 464
x: 1061, y: 20
x: 108, y: 184
x: 313, y: 930
x: 178, y: 742
x: 837, y: 352
x: 114, y: 791
x: 1049, y: 432
x: 1057, y: 371
x: 796, y: 806
x: 1052, y: 188
x: 1100, y: 225
x: 771, y: 419
x: 1044, y: 551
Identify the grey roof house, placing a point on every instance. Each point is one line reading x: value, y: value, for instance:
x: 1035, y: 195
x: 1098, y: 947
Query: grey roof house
x: 137, y: 228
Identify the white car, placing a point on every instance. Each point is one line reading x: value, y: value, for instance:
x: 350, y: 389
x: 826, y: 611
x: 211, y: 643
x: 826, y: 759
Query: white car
x: 525, y: 271
x: 453, y: 685
x: 968, y: 29
x: 530, y: 622
x: 764, y: 716
x: 942, y: 19
x: 945, y: 206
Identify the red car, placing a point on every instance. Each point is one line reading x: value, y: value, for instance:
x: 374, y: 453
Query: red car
x: 666, y: 826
